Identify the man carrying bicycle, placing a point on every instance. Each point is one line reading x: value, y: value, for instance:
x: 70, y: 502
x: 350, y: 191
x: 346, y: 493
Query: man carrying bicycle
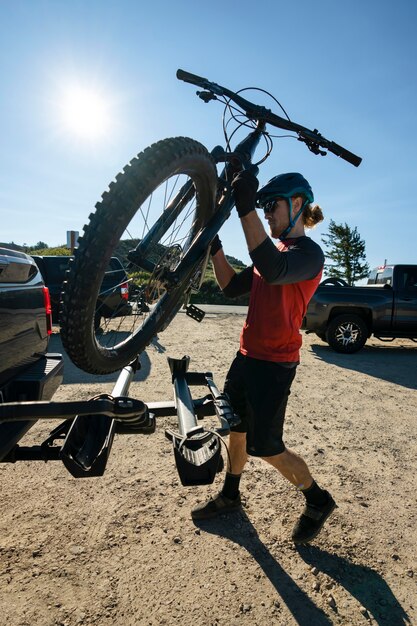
x: 281, y: 282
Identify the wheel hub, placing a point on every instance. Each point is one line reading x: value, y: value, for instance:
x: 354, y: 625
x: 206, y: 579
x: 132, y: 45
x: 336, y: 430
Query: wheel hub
x: 347, y: 334
x: 162, y: 277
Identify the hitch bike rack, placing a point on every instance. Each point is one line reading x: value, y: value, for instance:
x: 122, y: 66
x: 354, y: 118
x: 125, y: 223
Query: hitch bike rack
x: 83, y: 441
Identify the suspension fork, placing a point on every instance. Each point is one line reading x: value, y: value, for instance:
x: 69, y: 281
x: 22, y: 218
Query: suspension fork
x: 200, y: 247
x: 137, y: 256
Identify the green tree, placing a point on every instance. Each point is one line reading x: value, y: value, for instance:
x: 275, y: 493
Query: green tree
x: 346, y: 253
x: 41, y: 245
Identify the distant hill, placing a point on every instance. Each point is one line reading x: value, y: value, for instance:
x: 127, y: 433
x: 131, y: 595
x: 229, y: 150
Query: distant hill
x: 38, y: 249
x: 12, y: 246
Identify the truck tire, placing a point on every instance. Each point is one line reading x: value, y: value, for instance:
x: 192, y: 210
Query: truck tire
x: 347, y: 333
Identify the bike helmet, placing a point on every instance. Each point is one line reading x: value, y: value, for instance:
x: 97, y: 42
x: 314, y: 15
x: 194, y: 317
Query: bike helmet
x: 285, y: 186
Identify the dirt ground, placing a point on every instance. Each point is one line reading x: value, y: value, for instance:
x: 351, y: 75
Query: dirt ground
x: 123, y: 550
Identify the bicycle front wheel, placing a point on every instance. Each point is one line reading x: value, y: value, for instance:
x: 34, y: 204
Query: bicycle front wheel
x: 118, y: 295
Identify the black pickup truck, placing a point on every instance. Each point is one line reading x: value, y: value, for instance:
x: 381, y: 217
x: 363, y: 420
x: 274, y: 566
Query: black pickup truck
x: 386, y: 308
x: 113, y: 300
x: 27, y: 371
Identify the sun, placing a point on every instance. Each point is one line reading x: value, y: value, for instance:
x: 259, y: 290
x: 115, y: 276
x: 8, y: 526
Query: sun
x: 84, y: 112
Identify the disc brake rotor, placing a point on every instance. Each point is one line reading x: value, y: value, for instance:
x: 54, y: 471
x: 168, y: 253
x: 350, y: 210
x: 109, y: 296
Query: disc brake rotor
x: 158, y: 282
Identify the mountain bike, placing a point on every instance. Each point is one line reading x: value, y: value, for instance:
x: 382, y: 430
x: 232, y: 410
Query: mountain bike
x: 159, y: 218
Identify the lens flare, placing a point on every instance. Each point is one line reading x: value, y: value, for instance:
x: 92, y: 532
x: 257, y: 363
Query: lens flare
x: 85, y: 113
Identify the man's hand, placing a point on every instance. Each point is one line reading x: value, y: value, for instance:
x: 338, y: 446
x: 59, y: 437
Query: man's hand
x: 216, y: 245
x: 245, y: 185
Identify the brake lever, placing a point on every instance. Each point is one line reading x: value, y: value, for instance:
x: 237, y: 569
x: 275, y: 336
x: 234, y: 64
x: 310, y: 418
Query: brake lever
x: 206, y: 96
x: 314, y: 147
x: 312, y: 144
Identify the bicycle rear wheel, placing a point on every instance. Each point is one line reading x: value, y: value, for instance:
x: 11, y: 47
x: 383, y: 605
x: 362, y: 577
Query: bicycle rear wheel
x: 148, y: 219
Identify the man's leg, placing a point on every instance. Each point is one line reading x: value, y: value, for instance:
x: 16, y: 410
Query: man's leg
x: 229, y: 497
x: 236, y: 461
x: 237, y: 457
x: 292, y: 467
x: 320, y: 503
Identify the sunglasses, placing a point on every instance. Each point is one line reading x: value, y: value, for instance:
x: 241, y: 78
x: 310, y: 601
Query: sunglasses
x: 269, y: 207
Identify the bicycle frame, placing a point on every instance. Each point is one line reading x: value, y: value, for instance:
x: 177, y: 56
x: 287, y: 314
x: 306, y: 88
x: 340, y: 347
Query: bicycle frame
x: 241, y: 158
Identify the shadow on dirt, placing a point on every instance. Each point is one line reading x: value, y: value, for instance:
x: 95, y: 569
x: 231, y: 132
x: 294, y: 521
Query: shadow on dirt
x: 363, y: 583
x: 74, y: 375
x: 243, y: 533
x: 394, y: 364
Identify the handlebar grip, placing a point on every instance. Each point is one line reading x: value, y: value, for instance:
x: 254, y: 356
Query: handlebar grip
x: 344, y: 154
x: 191, y: 78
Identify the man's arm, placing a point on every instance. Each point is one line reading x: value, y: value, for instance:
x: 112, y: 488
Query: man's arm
x: 223, y: 271
x: 254, y: 230
x: 232, y: 284
x: 302, y: 261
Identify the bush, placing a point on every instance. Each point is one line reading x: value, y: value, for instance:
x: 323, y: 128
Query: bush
x: 60, y: 251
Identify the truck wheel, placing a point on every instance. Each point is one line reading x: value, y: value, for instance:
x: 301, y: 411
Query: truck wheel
x: 347, y: 333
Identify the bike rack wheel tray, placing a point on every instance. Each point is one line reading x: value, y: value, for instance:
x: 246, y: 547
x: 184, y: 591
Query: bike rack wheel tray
x: 197, y: 452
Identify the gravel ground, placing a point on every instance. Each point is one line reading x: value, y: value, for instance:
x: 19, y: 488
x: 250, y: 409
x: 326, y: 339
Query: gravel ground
x: 123, y: 550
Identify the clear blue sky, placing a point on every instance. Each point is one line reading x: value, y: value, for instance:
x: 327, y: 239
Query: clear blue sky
x: 348, y: 69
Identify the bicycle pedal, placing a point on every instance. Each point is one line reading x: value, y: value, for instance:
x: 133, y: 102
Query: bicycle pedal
x: 194, y: 312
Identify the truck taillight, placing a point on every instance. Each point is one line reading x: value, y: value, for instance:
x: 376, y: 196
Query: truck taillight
x: 48, y: 309
x: 124, y: 291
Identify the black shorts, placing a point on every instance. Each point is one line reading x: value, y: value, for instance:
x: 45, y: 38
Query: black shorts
x: 258, y: 392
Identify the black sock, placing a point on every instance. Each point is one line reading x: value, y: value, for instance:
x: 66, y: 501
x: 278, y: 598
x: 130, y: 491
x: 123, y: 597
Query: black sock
x: 315, y: 495
x: 231, y: 486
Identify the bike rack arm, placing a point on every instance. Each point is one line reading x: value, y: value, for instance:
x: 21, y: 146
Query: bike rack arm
x: 196, y: 450
x: 87, y: 446
x: 89, y: 430
x: 121, y: 408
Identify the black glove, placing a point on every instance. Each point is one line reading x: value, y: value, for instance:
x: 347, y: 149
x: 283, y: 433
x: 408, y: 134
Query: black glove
x: 245, y: 185
x: 216, y: 245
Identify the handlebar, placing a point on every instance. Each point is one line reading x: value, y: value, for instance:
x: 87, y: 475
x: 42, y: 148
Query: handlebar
x: 312, y: 138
